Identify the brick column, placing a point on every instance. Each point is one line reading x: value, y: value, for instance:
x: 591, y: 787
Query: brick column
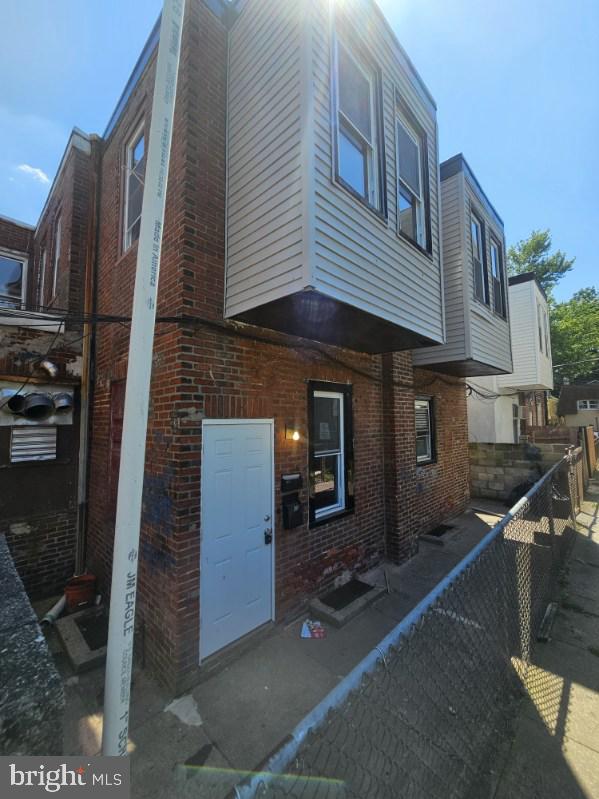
x: 400, y: 456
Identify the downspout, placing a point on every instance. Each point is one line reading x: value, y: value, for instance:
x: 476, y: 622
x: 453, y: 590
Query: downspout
x: 88, y: 350
x: 89, y: 335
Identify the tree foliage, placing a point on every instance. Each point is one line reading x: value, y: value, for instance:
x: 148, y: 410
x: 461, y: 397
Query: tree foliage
x: 575, y: 336
x: 534, y: 255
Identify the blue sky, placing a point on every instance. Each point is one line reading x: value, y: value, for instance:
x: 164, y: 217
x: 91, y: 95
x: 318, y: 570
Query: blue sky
x: 515, y: 83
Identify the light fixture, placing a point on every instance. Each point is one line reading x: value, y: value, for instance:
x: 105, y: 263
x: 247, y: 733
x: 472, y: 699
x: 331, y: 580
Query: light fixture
x: 292, y: 433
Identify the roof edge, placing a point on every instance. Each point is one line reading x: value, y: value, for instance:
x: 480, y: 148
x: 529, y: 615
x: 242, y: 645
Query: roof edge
x: 457, y: 163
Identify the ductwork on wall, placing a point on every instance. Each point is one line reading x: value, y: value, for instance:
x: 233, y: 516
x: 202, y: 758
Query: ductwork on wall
x: 35, y: 405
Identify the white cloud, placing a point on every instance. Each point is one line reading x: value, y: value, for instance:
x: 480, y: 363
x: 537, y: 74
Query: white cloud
x: 34, y: 172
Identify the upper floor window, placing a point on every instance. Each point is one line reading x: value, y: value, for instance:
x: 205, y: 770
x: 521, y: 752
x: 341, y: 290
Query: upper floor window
x: 546, y: 327
x: 481, y: 287
x: 56, y: 262
x: 42, y: 278
x: 588, y: 405
x: 425, y: 444
x: 358, y: 150
x: 13, y: 274
x: 411, y: 176
x: 498, y: 279
x: 134, y: 187
x: 331, y: 464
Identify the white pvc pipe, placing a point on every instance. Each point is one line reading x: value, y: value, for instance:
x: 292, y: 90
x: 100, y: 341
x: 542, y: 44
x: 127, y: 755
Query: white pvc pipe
x: 119, y: 658
x: 55, y: 611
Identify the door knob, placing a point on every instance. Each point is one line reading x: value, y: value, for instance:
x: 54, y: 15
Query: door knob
x: 267, y: 518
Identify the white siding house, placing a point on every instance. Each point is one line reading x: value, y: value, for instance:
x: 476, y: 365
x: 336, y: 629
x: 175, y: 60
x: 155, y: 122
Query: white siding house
x: 498, y: 404
x: 330, y: 132
x: 476, y: 302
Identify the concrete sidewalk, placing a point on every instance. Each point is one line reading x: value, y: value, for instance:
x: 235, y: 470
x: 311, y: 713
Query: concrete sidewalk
x: 202, y: 744
x: 555, y: 754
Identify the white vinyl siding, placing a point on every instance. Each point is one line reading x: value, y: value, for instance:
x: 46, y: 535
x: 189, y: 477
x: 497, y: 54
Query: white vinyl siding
x: 290, y: 225
x: 360, y: 259
x: 532, y: 368
x: 265, y: 222
x: 473, y: 331
x: 32, y: 443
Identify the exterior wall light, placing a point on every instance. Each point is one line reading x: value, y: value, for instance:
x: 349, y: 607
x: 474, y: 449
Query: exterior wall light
x: 292, y: 433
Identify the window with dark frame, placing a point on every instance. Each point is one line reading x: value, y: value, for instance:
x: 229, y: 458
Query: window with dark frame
x: 497, y: 276
x: 357, y: 140
x: 412, y: 214
x: 134, y: 187
x: 481, y: 286
x: 425, y: 435
x: 331, y: 450
x: 12, y: 281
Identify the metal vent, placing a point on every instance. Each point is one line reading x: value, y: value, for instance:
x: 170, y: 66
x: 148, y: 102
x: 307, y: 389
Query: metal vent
x: 33, y: 444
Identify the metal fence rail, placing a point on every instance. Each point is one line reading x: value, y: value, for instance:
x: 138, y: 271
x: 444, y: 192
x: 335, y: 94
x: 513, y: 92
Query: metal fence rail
x: 427, y: 714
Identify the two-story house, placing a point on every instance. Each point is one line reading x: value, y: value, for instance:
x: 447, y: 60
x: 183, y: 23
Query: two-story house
x: 504, y: 408
x: 42, y: 351
x: 308, y: 403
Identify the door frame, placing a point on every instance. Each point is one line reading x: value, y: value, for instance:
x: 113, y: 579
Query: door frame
x: 212, y: 423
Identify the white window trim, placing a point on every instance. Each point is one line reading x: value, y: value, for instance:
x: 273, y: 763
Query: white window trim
x: 585, y: 405
x: 56, y: 260
x: 474, y: 219
x: 340, y: 504
x: 428, y: 457
x: 139, y: 131
x: 420, y: 221
x: 494, y: 245
x: 374, y: 193
x: 16, y: 256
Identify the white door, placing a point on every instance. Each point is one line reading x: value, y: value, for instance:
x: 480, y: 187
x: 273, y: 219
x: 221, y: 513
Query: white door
x: 236, y: 568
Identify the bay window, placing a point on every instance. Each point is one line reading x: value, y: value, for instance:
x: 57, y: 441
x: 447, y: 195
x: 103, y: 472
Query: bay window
x: 498, y: 279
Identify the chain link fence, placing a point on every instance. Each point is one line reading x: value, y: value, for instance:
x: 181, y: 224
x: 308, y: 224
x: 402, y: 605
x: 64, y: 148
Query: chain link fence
x: 428, y: 715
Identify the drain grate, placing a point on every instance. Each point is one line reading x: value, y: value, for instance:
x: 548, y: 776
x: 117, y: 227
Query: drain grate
x: 440, y: 530
x: 94, y: 629
x: 341, y: 597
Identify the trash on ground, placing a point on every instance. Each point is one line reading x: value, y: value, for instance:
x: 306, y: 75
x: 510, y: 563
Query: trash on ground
x: 313, y: 629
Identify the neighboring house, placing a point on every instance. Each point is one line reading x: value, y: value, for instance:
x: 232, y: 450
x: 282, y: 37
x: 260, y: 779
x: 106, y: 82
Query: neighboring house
x: 579, y: 404
x: 502, y: 409
x: 298, y: 433
x: 476, y: 303
x: 42, y: 273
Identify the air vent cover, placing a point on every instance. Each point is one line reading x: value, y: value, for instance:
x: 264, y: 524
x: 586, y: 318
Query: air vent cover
x: 32, y: 444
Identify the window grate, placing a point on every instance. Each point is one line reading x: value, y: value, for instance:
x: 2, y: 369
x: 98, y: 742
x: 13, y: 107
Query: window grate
x: 32, y: 444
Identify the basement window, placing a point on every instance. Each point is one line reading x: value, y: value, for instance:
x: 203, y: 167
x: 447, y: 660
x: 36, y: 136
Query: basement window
x: 12, y: 281
x: 32, y: 443
x: 331, y: 459
x: 425, y: 440
x: 134, y: 187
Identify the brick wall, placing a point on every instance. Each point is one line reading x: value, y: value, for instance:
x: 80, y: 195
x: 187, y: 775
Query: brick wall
x: 43, y: 550
x: 16, y: 236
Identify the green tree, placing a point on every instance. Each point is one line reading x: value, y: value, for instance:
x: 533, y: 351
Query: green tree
x: 575, y: 336
x: 533, y: 255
